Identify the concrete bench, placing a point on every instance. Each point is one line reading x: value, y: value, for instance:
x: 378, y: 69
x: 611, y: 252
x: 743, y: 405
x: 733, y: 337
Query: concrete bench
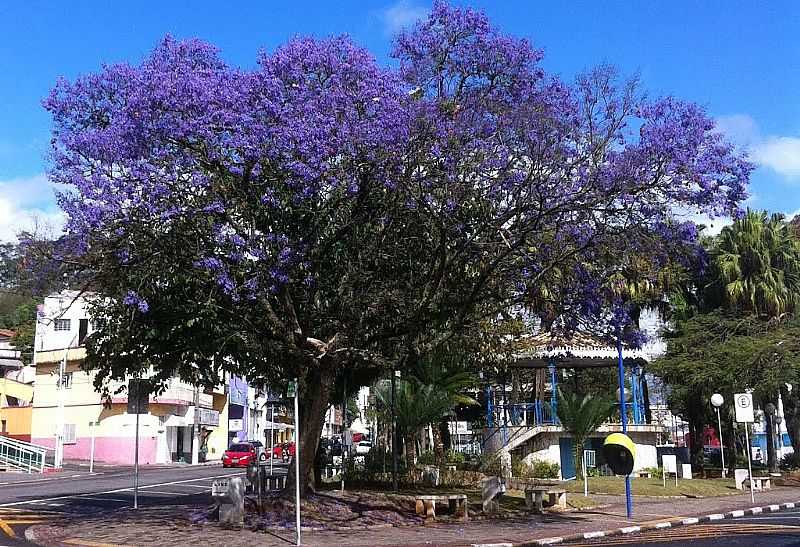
x: 534, y: 497
x: 759, y: 483
x: 644, y: 474
x: 457, y: 503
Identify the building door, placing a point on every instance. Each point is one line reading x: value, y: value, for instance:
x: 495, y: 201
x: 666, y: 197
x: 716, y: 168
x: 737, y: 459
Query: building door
x: 565, y: 446
x: 83, y: 330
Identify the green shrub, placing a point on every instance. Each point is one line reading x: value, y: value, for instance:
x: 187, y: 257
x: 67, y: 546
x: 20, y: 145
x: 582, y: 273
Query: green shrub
x: 535, y: 470
x: 656, y: 472
x: 455, y: 457
x: 426, y: 458
x: 490, y: 464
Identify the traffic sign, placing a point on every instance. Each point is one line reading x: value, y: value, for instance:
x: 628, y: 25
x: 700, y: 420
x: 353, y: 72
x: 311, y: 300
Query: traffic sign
x: 291, y: 390
x: 744, y: 407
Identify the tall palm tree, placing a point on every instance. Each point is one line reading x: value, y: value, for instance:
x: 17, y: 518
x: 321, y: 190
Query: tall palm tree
x: 757, y: 265
x: 580, y: 417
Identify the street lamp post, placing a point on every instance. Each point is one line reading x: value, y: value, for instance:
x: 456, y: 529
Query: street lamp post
x: 717, y: 400
x: 778, y: 422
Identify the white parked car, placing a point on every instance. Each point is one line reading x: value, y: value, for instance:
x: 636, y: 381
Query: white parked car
x: 363, y: 447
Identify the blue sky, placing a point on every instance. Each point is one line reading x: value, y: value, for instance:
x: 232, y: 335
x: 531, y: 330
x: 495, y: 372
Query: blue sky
x: 740, y: 59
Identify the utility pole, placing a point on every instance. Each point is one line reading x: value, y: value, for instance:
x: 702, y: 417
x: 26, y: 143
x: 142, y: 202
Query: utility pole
x: 624, y: 415
x: 196, y: 428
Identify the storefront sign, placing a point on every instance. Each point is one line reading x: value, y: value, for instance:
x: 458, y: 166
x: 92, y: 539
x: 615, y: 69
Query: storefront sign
x: 208, y: 416
x: 235, y: 425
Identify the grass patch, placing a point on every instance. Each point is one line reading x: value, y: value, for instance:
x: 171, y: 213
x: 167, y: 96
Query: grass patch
x: 582, y: 502
x: 702, y: 488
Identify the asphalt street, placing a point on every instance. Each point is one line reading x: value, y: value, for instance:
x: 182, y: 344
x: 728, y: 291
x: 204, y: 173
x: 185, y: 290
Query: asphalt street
x: 778, y: 529
x: 34, y: 499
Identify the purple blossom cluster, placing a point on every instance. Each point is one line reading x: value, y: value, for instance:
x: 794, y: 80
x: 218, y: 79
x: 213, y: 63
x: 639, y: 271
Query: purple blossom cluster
x: 263, y: 171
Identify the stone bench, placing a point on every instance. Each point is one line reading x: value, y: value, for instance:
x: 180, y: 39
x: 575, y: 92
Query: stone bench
x: 426, y: 505
x: 759, y: 483
x: 644, y: 474
x: 534, y: 497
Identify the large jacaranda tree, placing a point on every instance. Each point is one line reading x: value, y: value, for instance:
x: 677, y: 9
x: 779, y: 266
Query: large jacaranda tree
x: 321, y: 214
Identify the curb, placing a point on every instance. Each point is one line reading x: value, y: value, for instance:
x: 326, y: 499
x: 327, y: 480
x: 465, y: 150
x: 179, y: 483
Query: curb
x: 673, y: 523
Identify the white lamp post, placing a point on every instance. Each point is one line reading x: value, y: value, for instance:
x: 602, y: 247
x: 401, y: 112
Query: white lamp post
x: 717, y: 400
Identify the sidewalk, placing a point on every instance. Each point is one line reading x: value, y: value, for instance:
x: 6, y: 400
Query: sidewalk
x: 172, y: 526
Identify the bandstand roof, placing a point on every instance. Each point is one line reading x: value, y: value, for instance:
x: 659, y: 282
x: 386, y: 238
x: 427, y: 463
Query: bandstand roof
x: 579, y: 350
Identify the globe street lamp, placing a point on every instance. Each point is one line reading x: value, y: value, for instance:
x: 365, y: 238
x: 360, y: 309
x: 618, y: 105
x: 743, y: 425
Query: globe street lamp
x: 717, y: 400
x: 778, y: 422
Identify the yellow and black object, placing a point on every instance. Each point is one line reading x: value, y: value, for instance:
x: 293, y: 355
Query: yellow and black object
x: 619, y: 452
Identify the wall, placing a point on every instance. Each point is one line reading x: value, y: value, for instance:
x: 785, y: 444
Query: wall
x: 18, y: 422
x: 218, y: 438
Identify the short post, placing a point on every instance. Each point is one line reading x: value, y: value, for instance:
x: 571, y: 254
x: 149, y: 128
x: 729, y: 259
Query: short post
x: 91, y: 450
x: 585, y: 476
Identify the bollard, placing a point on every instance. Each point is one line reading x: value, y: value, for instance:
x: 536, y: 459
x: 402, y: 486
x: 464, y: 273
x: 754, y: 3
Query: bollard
x: 229, y: 495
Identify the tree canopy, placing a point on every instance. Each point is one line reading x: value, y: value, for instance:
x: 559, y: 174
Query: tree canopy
x: 321, y: 212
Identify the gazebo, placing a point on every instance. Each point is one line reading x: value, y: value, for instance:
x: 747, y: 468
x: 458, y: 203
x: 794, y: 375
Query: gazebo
x: 530, y: 429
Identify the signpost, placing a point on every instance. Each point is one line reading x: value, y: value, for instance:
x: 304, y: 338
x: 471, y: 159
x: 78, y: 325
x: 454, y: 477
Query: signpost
x: 138, y: 403
x: 292, y: 392
x: 745, y: 415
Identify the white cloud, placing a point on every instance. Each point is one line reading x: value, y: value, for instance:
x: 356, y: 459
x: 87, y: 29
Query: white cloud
x: 781, y: 154
x: 402, y: 14
x: 776, y: 152
x: 27, y: 203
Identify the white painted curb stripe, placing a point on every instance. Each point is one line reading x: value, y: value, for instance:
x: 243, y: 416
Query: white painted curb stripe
x: 789, y: 505
x: 492, y: 545
x: 590, y: 535
x: 756, y: 510
x: 774, y: 507
x: 663, y: 525
x: 550, y: 541
x: 692, y: 520
x: 630, y: 529
x: 738, y: 513
x: 716, y: 516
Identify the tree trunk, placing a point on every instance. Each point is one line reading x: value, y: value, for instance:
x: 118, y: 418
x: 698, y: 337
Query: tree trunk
x: 578, y: 459
x: 696, y: 430
x: 410, y: 443
x: 772, y: 455
x: 314, y: 397
x: 438, y: 446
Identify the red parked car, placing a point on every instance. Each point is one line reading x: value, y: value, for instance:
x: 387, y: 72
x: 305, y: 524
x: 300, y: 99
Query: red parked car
x: 283, y: 451
x: 239, y: 455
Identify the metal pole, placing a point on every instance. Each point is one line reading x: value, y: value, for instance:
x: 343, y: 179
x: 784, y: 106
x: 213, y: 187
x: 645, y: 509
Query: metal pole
x: 271, y: 437
x: 394, y: 437
x: 749, y: 463
x: 136, y: 452
x: 297, y: 459
x: 721, y: 444
x: 196, y: 428
x: 91, y: 453
x: 585, y: 477
x: 623, y: 414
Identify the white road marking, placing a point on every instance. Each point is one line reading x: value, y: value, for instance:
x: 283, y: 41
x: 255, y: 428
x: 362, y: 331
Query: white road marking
x: 115, y: 491
x: 170, y: 493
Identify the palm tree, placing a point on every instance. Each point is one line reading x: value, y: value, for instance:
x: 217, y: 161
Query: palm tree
x: 416, y: 406
x: 580, y: 417
x: 757, y: 265
x: 445, y: 374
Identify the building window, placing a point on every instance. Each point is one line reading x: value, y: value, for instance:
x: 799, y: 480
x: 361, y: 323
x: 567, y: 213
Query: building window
x: 61, y: 324
x: 67, y: 380
x: 69, y: 434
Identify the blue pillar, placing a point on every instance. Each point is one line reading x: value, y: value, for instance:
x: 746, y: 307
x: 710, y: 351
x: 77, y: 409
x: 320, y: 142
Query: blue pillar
x: 553, y: 385
x: 623, y: 415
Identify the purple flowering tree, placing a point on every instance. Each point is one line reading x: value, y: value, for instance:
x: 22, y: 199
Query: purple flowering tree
x: 321, y: 215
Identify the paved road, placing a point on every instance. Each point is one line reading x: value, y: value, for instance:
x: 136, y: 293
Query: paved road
x: 33, y: 499
x: 776, y: 529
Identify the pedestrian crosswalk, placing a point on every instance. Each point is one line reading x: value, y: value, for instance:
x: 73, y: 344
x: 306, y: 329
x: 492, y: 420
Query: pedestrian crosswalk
x: 13, y: 518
